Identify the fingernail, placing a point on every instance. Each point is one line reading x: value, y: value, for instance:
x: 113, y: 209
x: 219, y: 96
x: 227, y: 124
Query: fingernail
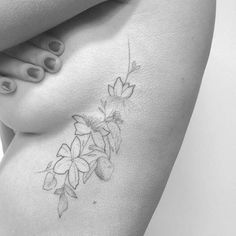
x: 50, y: 63
x: 7, y: 87
x: 34, y: 72
x: 55, y: 46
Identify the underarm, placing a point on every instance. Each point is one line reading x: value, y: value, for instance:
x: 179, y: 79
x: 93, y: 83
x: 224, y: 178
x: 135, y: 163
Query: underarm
x: 160, y: 55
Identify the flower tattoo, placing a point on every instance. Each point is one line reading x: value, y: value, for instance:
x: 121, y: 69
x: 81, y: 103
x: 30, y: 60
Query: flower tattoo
x: 71, y: 162
x: 120, y: 89
x: 96, y: 141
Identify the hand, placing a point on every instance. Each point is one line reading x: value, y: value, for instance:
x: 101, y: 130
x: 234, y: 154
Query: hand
x: 29, y: 61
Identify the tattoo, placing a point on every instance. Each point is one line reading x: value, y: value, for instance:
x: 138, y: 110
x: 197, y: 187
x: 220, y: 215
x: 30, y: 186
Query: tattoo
x: 96, y: 140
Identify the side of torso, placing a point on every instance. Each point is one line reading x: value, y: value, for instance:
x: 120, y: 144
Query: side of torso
x: 145, y: 68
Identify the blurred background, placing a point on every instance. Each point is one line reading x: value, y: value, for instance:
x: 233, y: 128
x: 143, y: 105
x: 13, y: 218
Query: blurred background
x: 200, y: 197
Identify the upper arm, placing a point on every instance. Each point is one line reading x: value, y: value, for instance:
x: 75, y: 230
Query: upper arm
x: 22, y: 20
x: 173, y: 49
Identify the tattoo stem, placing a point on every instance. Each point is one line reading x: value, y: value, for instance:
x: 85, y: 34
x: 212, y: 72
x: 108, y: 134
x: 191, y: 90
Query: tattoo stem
x: 109, y: 148
x: 129, y: 61
x: 65, y: 179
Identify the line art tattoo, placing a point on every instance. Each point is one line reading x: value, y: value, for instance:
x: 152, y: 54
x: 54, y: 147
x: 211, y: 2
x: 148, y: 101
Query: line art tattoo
x: 96, y: 140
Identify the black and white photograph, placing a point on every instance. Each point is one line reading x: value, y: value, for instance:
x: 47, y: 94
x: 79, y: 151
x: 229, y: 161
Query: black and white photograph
x: 117, y: 117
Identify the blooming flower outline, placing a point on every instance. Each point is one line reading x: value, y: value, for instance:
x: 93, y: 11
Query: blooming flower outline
x: 94, y: 127
x: 71, y: 162
x: 120, y: 89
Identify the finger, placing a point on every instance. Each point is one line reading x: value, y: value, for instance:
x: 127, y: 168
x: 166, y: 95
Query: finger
x: 17, y: 69
x: 49, y: 43
x: 31, y: 54
x: 7, y: 85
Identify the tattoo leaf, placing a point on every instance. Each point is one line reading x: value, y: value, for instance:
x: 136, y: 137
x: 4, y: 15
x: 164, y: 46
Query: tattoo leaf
x: 59, y: 191
x: 50, y: 182
x: 89, y: 174
x: 62, y: 205
x: 49, y: 165
x: 98, y: 140
x: 101, y: 110
x: 96, y: 148
x: 111, y: 90
x: 135, y: 66
x: 104, y: 104
x: 70, y: 191
x: 114, y: 136
x: 85, y: 140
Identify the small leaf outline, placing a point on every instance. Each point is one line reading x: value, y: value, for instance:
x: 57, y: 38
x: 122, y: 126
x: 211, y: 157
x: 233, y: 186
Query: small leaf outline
x: 50, y: 182
x: 70, y: 191
x: 62, y: 204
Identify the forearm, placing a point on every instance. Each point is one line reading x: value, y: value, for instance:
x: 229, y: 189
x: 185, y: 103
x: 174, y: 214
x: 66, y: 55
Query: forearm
x: 22, y: 20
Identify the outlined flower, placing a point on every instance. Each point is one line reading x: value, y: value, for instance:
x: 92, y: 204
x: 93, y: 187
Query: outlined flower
x: 88, y: 125
x: 71, y: 162
x: 120, y: 89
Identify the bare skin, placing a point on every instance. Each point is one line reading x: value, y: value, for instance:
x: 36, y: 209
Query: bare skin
x: 21, y: 21
x: 171, y: 44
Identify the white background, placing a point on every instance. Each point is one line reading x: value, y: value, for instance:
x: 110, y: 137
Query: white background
x: 200, y: 198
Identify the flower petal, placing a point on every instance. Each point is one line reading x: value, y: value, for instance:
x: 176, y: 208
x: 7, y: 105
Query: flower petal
x: 110, y: 90
x: 93, y: 156
x: 73, y: 176
x: 98, y: 139
x: 62, y: 166
x: 118, y: 87
x: 64, y: 151
x: 81, y: 129
x: 75, y: 147
x: 85, y: 144
x: 87, y: 175
x: 82, y: 165
x: 128, y: 92
x: 79, y: 119
x: 103, y: 131
x: 126, y: 86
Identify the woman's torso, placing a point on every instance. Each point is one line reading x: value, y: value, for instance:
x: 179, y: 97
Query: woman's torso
x: 169, y: 44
